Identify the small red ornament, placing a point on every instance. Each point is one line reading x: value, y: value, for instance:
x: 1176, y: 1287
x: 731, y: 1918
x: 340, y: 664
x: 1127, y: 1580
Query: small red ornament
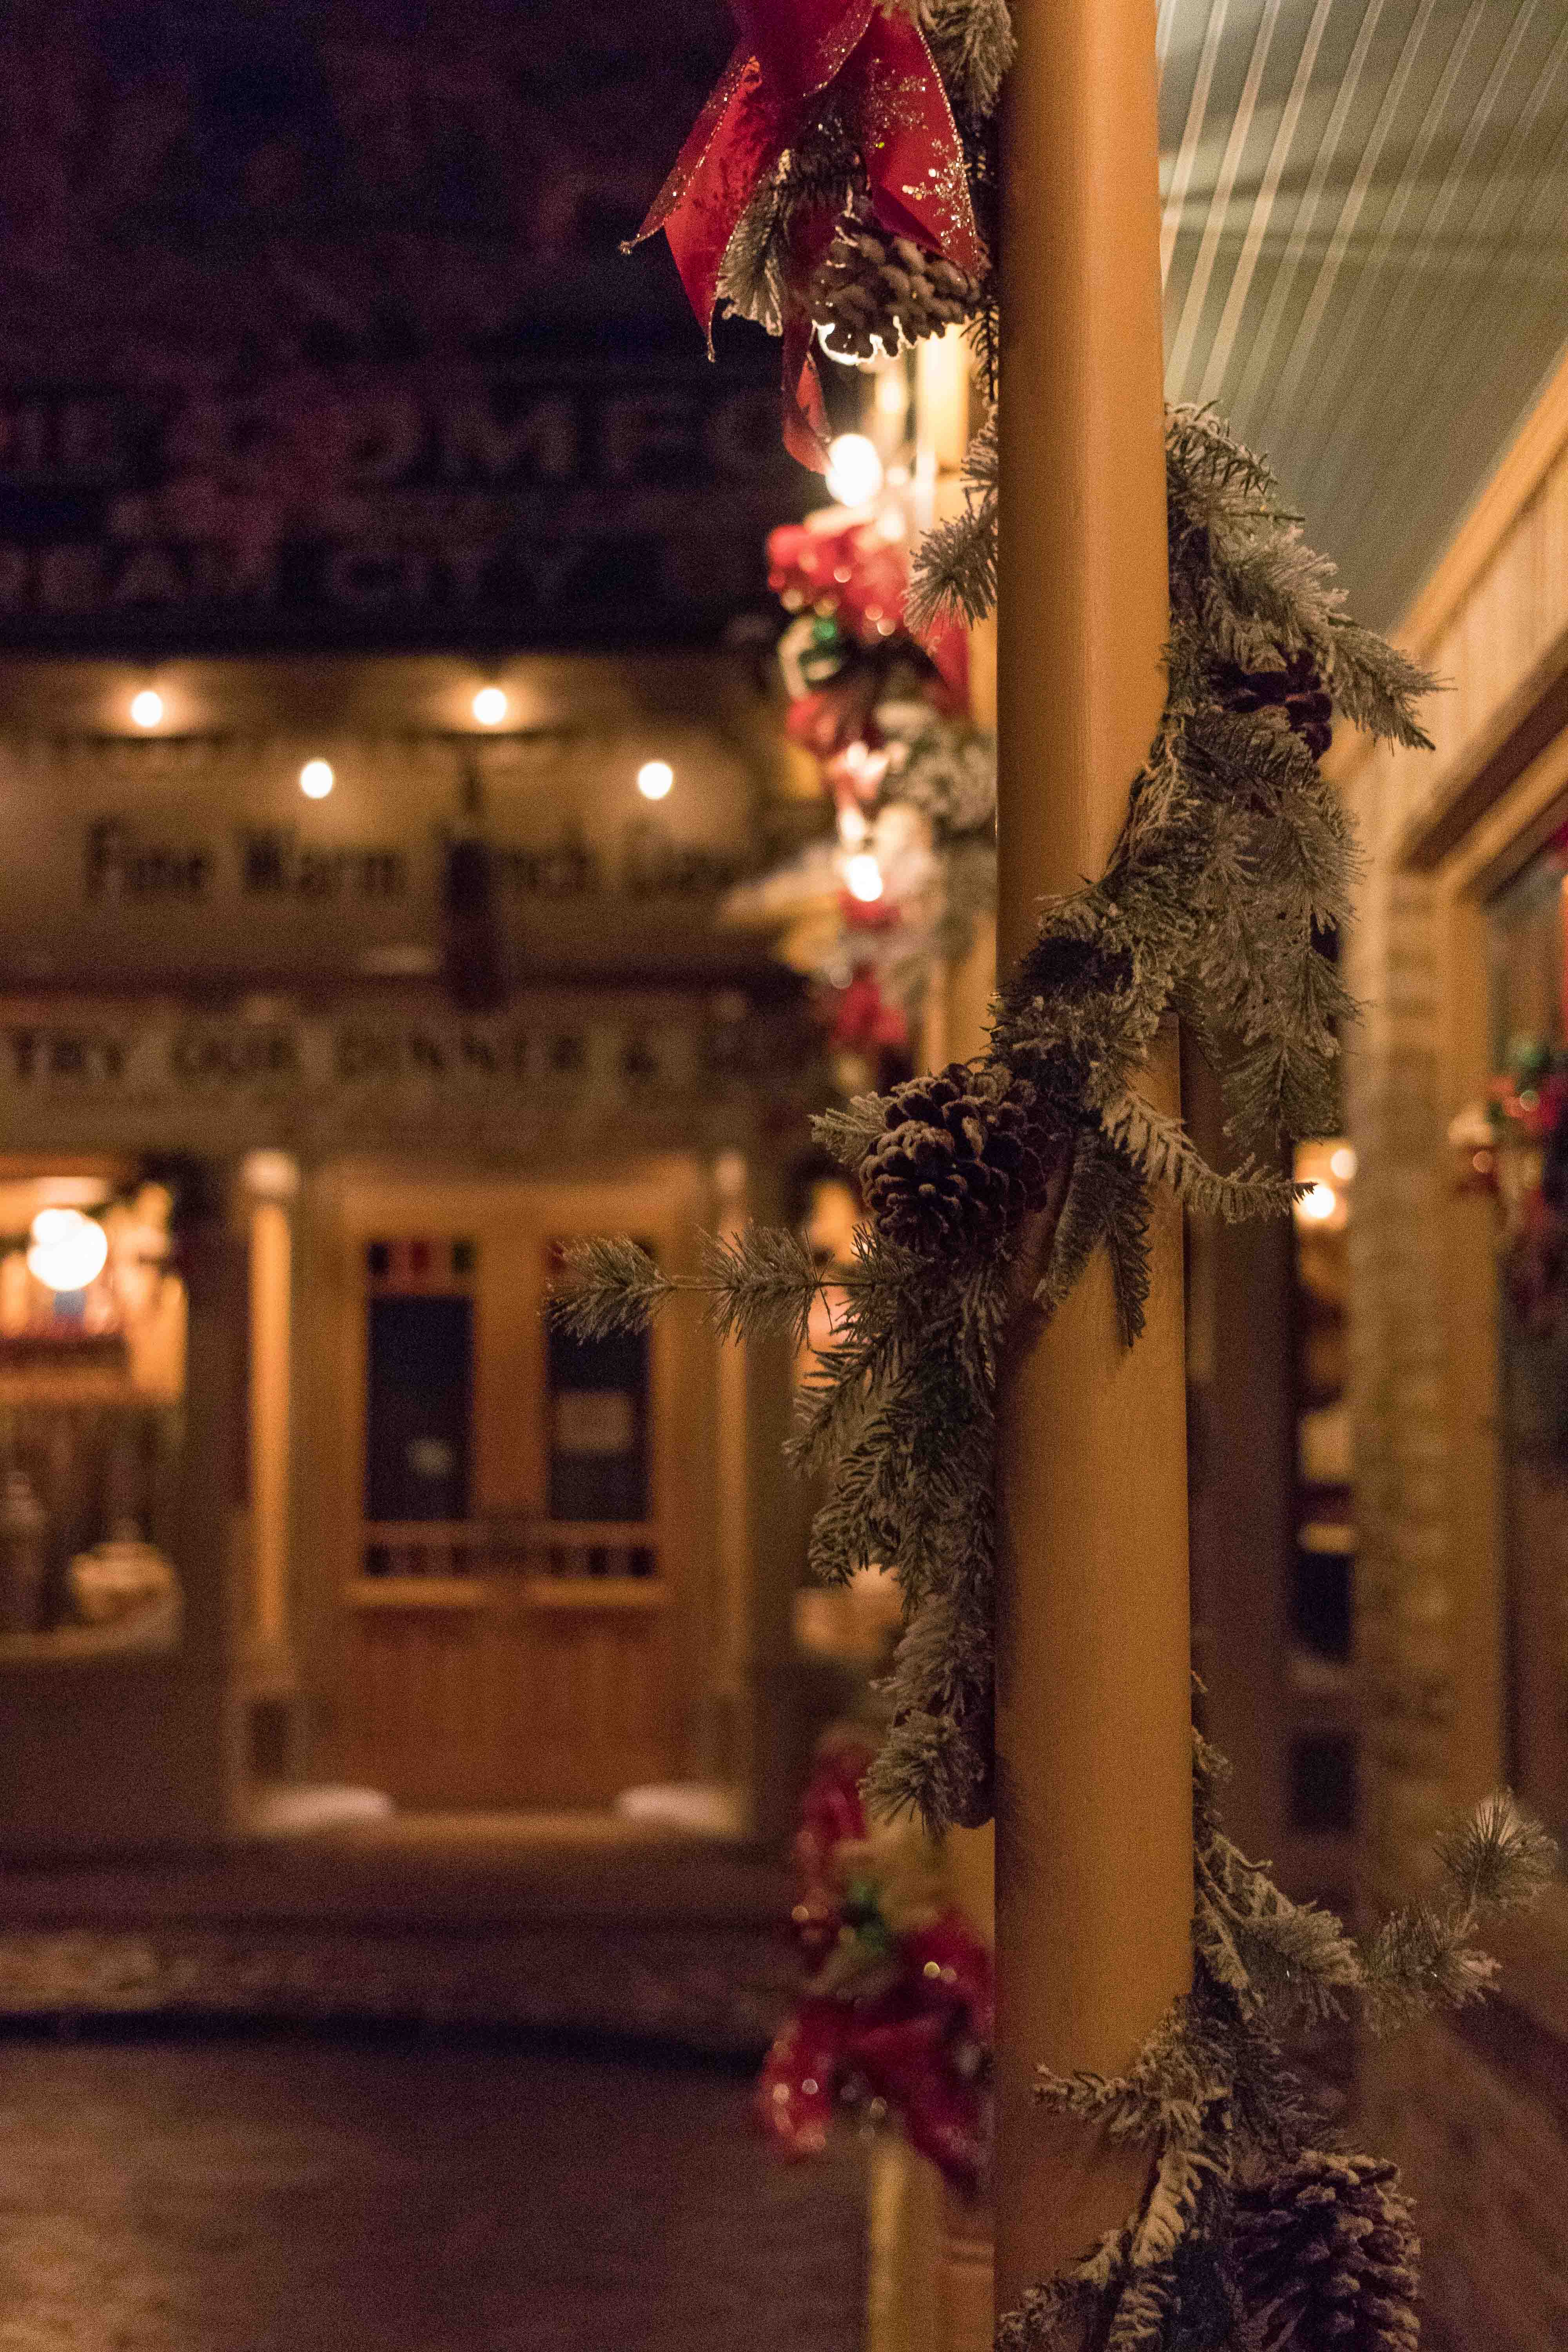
x: 865, y: 1022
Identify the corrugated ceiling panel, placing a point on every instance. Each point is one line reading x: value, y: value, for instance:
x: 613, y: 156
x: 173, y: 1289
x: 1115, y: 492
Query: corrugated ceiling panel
x: 1365, y: 204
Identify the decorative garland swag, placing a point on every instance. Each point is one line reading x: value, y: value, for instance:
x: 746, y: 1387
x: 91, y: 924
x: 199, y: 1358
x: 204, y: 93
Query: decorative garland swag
x: 991, y: 1184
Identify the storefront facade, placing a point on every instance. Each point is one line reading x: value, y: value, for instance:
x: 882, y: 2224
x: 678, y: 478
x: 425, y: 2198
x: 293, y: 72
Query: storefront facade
x: 418, y: 1542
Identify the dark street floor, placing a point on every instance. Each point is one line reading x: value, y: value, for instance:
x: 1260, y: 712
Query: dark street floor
x: 308, y: 2194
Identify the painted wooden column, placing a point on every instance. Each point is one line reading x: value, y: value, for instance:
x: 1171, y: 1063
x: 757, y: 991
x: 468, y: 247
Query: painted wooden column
x: 1094, y: 1875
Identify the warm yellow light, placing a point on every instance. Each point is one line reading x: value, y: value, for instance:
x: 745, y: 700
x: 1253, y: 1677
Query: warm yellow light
x: 491, y: 705
x: 1317, y: 1203
x: 66, y: 1251
x: 315, y: 778
x: 863, y: 878
x: 854, y: 469
x: 1342, y: 1162
x: 147, y: 708
x: 655, y: 778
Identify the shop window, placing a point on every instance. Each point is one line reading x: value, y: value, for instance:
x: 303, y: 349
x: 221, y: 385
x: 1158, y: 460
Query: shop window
x: 1519, y: 1151
x: 1321, y: 1599
x: 1323, y: 1781
x: 92, y: 1347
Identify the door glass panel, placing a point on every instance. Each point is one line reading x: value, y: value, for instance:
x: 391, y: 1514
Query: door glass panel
x: 419, y: 1401
x: 596, y: 1404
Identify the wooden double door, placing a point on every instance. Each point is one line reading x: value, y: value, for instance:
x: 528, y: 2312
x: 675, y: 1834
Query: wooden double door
x: 512, y: 1507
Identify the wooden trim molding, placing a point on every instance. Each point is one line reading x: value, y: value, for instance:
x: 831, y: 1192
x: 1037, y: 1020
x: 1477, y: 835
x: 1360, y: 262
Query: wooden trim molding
x: 1527, y: 722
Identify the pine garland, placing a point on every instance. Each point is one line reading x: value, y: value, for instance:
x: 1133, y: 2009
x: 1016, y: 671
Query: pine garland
x: 991, y: 1187
x: 1235, y: 858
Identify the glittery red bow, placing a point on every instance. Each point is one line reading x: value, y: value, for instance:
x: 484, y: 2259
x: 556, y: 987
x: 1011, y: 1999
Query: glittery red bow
x: 891, y: 99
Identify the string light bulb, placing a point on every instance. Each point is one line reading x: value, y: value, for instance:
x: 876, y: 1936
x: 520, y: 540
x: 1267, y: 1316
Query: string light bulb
x: 147, y: 708
x: 315, y: 778
x: 854, y: 469
x: 1316, y: 1204
x: 491, y: 705
x: 655, y: 778
x: 863, y: 878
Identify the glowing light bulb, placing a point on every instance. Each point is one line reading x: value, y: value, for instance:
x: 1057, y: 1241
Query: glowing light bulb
x: 655, y: 778
x: 491, y: 705
x: 854, y: 469
x: 315, y: 778
x: 852, y: 826
x: 66, y: 1251
x: 1317, y: 1203
x: 1342, y: 1162
x: 863, y: 878
x: 147, y: 708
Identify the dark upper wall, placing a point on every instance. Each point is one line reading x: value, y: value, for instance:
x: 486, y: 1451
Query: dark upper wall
x: 314, y: 330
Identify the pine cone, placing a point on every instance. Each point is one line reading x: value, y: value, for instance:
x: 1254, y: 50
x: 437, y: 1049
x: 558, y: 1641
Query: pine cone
x: 879, y: 292
x: 957, y: 1162
x: 1298, y: 689
x: 1325, y: 2258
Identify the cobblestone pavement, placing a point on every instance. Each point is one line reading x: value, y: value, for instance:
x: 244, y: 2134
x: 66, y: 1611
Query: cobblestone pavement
x: 299, y: 2194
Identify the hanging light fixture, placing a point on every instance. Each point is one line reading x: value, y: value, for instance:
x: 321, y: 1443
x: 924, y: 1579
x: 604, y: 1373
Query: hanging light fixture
x: 66, y: 1250
x: 475, y: 949
x: 491, y: 705
x: 147, y: 708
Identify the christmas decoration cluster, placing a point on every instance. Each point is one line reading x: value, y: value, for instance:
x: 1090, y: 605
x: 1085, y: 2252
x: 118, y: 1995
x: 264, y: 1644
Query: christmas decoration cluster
x: 895, y: 2018
x: 910, y: 779
x: 992, y: 1185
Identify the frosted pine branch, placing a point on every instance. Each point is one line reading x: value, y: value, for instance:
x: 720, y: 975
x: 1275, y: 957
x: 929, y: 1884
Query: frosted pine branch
x: 610, y: 1285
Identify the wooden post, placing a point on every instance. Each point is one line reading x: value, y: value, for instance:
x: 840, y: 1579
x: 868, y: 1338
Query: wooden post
x: 1094, y: 1878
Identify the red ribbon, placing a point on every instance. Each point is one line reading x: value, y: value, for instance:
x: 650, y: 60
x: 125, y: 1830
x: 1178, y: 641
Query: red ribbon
x: 893, y: 103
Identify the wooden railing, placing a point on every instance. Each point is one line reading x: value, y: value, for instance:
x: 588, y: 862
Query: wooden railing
x: 454, y: 1560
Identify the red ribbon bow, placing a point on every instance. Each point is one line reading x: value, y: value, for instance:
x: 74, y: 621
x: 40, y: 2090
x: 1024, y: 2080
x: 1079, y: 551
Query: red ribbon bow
x: 892, y: 100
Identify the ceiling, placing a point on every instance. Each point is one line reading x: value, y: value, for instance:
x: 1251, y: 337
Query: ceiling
x: 1363, y: 235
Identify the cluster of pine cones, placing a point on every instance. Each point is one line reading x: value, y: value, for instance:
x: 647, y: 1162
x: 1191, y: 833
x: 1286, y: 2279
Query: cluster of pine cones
x: 958, y: 1160
x: 876, y: 292
x: 1325, y: 2257
x: 1297, y: 689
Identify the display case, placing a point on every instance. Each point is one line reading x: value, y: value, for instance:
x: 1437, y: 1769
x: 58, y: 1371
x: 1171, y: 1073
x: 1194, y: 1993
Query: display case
x: 92, y: 1341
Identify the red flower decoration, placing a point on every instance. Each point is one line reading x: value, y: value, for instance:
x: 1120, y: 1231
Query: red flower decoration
x: 842, y: 563
x: 889, y: 94
x: 920, y: 2042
